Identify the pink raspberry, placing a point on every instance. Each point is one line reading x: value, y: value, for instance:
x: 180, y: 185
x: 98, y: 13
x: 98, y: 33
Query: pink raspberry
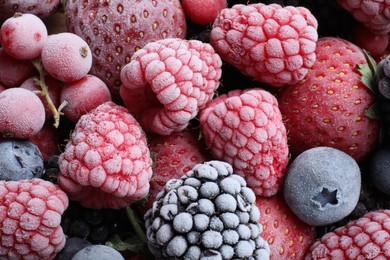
x: 168, y: 81
x: 66, y: 56
x: 30, y: 218
x: 106, y: 163
x: 23, y: 36
x: 22, y: 113
x: 83, y: 95
x: 372, y: 13
x: 365, y: 238
x: 245, y: 129
x: 270, y: 43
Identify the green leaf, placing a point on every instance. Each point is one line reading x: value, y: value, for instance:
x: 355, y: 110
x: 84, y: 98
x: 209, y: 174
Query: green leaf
x: 368, y: 72
x: 373, y: 111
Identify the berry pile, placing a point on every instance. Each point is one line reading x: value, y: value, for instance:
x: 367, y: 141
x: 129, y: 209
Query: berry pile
x: 218, y: 129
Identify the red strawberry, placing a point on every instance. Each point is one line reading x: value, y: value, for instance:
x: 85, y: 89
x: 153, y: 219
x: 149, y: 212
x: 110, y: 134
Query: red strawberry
x: 329, y: 107
x: 372, y: 13
x: 116, y: 29
x: 174, y: 155
x: 106, y: 162
x: 365, y: 238
x: 288, y: 236
x: 269, y: 43
x: 245, y: 129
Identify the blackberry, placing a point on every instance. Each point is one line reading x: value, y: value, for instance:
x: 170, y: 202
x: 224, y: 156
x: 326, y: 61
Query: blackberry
x: 202, y: 215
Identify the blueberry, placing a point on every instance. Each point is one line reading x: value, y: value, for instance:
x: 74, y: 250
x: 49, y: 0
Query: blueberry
x: 20, y: 159
x: 322, y: 185
x: 97, y: 252
x: 72, y: 246
x: 380, y: 169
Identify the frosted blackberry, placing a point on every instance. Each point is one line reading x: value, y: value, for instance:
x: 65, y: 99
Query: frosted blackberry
x: 209, y: 213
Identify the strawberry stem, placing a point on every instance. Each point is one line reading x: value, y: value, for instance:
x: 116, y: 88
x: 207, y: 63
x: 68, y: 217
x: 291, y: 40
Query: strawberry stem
x: 45, y: 92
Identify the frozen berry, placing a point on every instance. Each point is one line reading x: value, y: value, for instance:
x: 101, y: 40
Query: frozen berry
x: 322, y: 185
x: 14, y: 72
x: 83, y: 95
x: 20, y: 159
x: 66, y: 56
x: 22, y: 113
x: 203, y: 11
x: 23, y: 35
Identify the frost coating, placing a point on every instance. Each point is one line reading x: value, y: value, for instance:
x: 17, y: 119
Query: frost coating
x: 206, y: 226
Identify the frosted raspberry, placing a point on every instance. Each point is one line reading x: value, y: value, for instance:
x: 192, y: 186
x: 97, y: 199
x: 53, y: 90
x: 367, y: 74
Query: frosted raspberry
x: 372, y: 13
x: 23, y: 36
x: 168, y: 81
x: 14, y: 72
x: 30, y: 217
x: 245, y: 129
x: 364, y: 238
x: 22, y: 113
x: 270, y: 43
x: 66, y: 56
x: 106, y: 163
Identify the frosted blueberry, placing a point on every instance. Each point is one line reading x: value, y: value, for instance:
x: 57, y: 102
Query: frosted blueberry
x: 211, y: 239
x: 183, y: 222
x: 322, y: 185
x: 20, y: 159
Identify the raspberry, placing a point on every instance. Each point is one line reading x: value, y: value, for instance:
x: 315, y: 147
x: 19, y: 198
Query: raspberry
x: 66, y: 57
x: 364, y: 238
x: 372, y: 13
x: 22, y: 113
x: 23, y: 35
x: 168, y: 81
x: 270, y: 43
x: 245, y: 129
x: 106, y: 162
x: 83, y: 95
x: 203, y: 12
x: 30, y: 219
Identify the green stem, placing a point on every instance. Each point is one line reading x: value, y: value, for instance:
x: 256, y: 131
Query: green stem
x: 45, y: 92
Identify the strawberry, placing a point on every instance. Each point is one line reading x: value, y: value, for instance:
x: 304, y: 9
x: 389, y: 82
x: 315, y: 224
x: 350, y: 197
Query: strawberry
x: 116, y: 29
x: 288, y: 236
x: 331, y: 105
x: 173, y: 155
